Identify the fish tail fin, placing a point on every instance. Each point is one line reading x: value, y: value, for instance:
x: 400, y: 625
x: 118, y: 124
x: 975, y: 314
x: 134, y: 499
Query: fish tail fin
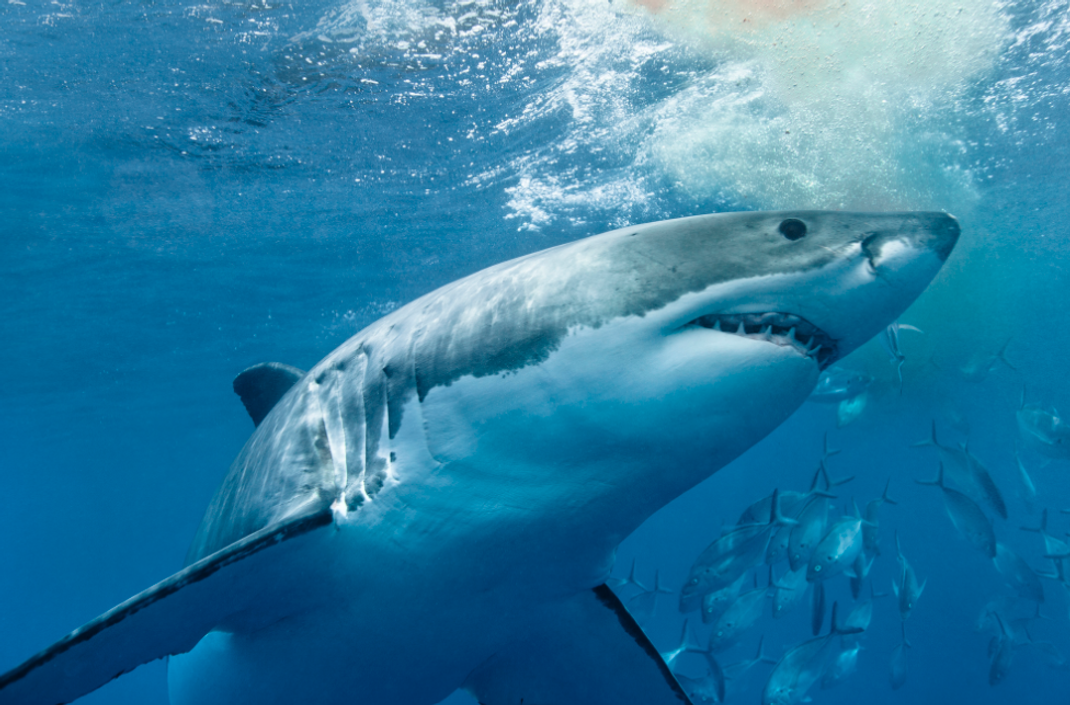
x: 906, y: 642
x: 687, y: 640
x: 829, y: 482
x: 632, y: 580
x: 1002, y: 355
x: 658, y: 587
x: 854, y: 508
x: 938, y: 482
x: 817, y: 476
x: 761, y: 656
x: 835, y: 627
x: 930, y: 441
x: 776, y: 518
x: 885, y: 498
x: 827, y: 452
x: 1043, y: 524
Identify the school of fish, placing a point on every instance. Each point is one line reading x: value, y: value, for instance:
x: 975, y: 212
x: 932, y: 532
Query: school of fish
x: 792, y: 542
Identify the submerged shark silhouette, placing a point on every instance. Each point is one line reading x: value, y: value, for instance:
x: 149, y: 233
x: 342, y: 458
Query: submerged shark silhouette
x: 437, y: 504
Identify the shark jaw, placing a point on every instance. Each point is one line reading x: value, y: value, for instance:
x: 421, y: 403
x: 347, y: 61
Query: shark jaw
x: 784, y: 329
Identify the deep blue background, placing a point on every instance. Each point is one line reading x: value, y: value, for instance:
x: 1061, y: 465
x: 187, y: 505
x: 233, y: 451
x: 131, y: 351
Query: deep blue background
x: 186, y: 190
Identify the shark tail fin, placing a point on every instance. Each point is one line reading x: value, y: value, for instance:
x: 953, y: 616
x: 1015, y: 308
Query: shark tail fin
x: 167, y: 619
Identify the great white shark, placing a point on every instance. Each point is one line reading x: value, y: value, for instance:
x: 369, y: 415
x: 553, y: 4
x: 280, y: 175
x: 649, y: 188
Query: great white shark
x: 437, y: 504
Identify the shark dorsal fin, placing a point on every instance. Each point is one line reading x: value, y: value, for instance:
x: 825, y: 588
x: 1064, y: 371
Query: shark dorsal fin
x: 261, y: 386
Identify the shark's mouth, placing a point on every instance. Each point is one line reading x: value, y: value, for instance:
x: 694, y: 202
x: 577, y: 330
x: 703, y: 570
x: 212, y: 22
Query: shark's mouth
x: 784, y: 329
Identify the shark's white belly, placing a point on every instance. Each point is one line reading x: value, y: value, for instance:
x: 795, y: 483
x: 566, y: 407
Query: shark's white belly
x: 481, y: 528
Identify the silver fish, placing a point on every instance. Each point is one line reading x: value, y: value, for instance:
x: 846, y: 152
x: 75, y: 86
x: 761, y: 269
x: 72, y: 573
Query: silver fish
x: 986, y: 486
x: 809, y: 526
x: 979, y: 366
x: 817, y: 608
x: 780, y: 542
x: 967, y: 517
x: 758, y: 512
x: 1043, y: 430
x: 1027, y: 490
x: 870, y: 528
x: 906, y: 588
x: 729, y: 557
x: 860, y: 571
x: 897, y: 675
x: 789, y: 590
x: 707, y: 690
x: 735, y: 671
x: 1018, y: 574
x: 837, y: 384
x: 963, y: 469
x: 890, y: 342
x: 836, y: 552
x: 802, y: 666
x: 1052, y: 546
x: 740, y: 616
x: 1002, y: 655
x: 843, y: 665
x: 860, y: 616
x: 1050, y: 654
x: 715, y: 603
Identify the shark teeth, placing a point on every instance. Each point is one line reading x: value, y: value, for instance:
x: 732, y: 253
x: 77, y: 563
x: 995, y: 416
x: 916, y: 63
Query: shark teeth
x: 784, y: 329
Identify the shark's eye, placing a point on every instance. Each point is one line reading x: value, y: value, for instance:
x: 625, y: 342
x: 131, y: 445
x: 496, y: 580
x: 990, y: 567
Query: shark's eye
x: 792, y: 228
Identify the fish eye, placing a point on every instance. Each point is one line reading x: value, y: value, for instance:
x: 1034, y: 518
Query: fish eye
x: 792, y: 228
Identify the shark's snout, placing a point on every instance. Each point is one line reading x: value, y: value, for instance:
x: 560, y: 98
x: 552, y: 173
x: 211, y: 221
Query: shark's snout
x: 935, y: 232
x: 943, y: 233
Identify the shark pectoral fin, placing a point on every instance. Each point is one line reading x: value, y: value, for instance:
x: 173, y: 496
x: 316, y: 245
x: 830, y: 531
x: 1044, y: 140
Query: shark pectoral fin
x: 593, y: 653
x: 168, y: 618
x: 261, y: 386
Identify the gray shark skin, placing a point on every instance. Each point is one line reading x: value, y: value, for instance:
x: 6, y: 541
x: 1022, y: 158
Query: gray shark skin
x: 437, y: 504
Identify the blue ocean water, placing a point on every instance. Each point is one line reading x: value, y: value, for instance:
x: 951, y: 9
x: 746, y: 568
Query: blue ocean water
x: 188, y: 189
